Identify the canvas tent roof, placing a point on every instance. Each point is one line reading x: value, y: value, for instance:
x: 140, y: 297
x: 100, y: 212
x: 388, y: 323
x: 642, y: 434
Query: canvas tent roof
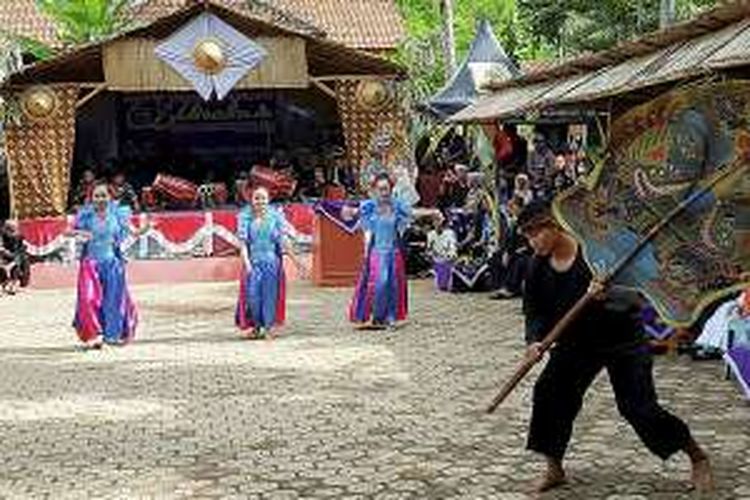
x: 485, y: 61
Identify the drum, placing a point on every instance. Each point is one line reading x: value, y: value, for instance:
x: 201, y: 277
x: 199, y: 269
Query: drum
x: 220, y: 193
x: 148, y: 198
x: 279, y: 185
x: 175, y: 189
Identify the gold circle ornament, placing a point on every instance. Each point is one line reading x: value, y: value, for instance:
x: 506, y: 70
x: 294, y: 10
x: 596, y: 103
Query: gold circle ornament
x: 208, y: 57
x: 39, y: 103
x: 373, y: 94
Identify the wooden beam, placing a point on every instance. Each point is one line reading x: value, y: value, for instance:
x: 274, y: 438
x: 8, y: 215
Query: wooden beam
x: 330, y: 78
x: 96, y: 91
x: 323, y: 88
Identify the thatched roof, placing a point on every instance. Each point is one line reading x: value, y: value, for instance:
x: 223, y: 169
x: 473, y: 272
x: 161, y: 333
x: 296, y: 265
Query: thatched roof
x: 715, y: 41
x: 363, y: 24
x: 325, y: 57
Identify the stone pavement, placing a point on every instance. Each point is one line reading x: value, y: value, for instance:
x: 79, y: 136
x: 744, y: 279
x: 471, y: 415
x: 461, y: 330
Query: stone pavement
x: 192, y: 411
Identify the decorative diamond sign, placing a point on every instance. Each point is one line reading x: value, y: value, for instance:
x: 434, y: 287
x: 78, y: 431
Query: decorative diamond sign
x: 211, y: 55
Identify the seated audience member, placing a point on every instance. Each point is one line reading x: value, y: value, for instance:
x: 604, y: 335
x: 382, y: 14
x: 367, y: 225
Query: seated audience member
x: 442, y: 249
x: 315, y: 188
x: 83, y: 190
x: 15, y: 270
x: 123, y: 192
x: 454, y: 187
x: 514, y: 255
x: 522, y: 190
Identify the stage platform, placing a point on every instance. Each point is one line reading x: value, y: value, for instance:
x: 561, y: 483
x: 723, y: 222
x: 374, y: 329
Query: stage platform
x: 47, y: 276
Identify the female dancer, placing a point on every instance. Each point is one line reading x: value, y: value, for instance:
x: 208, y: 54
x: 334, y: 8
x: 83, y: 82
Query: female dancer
x: 262, y: 301
x: 104, y: 309
x: 380, y: 297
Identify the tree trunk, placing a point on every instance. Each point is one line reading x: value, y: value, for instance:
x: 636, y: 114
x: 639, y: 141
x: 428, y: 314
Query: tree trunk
x: 449, y: 38
x: 667, y: 13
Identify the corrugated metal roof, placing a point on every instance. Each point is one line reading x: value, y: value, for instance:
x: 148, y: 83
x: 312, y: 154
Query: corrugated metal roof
x: 503, y: 103
x: 724, y: 48
x: 724, y: 14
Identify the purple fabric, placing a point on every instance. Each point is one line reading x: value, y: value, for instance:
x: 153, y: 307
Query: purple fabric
x: 443, y: 275
x: 738, y: 359
x: 331, y: 209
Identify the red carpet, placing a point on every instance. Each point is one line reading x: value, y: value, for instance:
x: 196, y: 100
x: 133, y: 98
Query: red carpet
x: 142, y: 272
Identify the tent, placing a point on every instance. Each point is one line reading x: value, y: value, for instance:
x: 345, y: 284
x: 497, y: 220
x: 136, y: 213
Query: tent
x: 486, y: 60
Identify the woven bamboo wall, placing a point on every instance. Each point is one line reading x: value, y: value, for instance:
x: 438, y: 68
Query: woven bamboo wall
x: 131, y: 65
x: 39, y: 157
x: 361, y: 125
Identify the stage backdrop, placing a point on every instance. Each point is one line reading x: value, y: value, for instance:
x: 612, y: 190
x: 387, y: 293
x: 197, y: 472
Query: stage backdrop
x: 177, y: 235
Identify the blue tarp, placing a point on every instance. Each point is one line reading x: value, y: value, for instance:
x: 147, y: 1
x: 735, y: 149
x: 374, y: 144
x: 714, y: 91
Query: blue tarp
x: 485, y: 55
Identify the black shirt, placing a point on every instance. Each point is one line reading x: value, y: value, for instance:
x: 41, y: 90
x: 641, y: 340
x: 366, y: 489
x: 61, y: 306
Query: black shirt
x: 549, y: 294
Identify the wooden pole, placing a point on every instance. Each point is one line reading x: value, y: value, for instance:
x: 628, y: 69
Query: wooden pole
x: 575, y: 311
x: 528, y: 363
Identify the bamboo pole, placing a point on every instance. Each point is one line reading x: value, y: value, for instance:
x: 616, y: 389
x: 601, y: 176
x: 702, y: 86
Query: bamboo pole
x: 549, y: 340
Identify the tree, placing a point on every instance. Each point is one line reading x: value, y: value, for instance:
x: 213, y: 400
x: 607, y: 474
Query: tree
x: 86, y: 21
x: 422, y: 51
x: 574, y: 26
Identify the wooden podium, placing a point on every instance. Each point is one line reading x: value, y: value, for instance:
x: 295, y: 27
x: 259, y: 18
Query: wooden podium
x: 337, y: 254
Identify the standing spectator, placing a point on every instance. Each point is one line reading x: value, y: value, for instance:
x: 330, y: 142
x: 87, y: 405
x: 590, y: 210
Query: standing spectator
x: 512, y: 154
x: 429, y: 182
x: 123, y: 192
x: 372, y: 170
x: 514, y: 256
x: 442, y: 249
x: 541, y: 166
x: 562, y: 177
x: 454, y: 188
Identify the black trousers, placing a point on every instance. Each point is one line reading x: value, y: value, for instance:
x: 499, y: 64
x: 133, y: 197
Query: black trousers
x: 559, y: 391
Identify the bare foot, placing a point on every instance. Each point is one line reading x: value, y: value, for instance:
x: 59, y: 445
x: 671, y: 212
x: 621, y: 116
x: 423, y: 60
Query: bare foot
x: 702, y: 476
x: 553, y: 477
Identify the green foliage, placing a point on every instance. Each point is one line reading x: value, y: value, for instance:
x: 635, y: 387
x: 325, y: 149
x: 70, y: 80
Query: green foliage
x: 422, y: 52
x: 574, y: 26
x: 528, y: 29
x: 86, y: 21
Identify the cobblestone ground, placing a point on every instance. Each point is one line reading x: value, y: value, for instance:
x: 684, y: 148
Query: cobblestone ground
x: 191, y: 411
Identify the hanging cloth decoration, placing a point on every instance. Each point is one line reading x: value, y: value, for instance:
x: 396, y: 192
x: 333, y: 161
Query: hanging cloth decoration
x: 211, y: 55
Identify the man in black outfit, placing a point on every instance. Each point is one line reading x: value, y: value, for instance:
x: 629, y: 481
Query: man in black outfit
x: 606, y: 335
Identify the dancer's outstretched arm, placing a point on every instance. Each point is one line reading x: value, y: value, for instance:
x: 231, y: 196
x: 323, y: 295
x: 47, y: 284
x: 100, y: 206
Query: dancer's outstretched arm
x: 301, y: 266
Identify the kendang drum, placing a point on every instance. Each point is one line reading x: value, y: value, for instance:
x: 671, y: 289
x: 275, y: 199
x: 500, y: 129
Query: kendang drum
x: 220, y: 193
x: 279, y: 185
x: 148, y: 198
x: 176, y: 190
x: 213, y: 194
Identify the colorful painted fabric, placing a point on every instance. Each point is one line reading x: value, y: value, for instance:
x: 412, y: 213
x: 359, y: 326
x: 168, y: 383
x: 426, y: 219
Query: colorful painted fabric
x: 738, y: 359
x: 104, y: 305
x: 380, y: 295
x: 262, y: 298
x: 680, y: 158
